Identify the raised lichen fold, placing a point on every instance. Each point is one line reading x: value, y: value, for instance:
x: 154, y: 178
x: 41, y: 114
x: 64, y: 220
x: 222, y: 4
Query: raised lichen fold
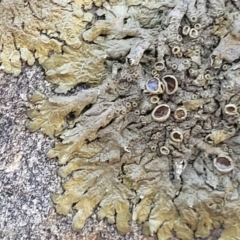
x: 86, y: 64
x: 51, y: 114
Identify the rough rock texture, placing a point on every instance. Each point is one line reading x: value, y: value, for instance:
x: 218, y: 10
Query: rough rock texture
x: 155, y: 139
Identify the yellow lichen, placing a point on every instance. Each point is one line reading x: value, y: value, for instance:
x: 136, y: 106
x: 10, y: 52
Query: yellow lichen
x: 31, y: 30
x: 94, y: 190
x: 48, y: 118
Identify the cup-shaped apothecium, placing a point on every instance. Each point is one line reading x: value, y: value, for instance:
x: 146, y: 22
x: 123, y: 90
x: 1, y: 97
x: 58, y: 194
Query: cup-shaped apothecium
x: 176, y: 136
x: 180, y: 114
x: 223, y: 164
x: 176, y: 50
x: 154, y: 99
x: 154, y: 86
x: 161, y: 113
x: 193, y: 33
x: 171, y: 84
x: 159, y: 66
x: 209, y: 139
x: 164, y: 150
x: 185, y: 30
x: 230, y: 109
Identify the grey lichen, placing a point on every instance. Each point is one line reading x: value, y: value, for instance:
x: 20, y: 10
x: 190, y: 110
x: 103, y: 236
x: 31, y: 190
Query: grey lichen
x: 156, y: 141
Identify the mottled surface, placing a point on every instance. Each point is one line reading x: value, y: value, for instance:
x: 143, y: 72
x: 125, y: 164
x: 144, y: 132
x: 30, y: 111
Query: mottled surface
x: 27, y: 177
x: 110, y: 150
x: 107, y: 139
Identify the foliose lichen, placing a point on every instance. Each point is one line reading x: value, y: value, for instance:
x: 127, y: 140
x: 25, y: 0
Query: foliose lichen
x: 34, y: 30
x: 157, y: 141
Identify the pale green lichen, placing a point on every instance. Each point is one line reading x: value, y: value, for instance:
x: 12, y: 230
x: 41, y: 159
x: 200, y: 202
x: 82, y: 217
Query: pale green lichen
x: 111, y: 148
x: 48, y: 108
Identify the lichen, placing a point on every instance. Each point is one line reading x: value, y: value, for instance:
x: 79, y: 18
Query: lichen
x: 113, y: 150
x: 86, y: 64
x: 32, y: 30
